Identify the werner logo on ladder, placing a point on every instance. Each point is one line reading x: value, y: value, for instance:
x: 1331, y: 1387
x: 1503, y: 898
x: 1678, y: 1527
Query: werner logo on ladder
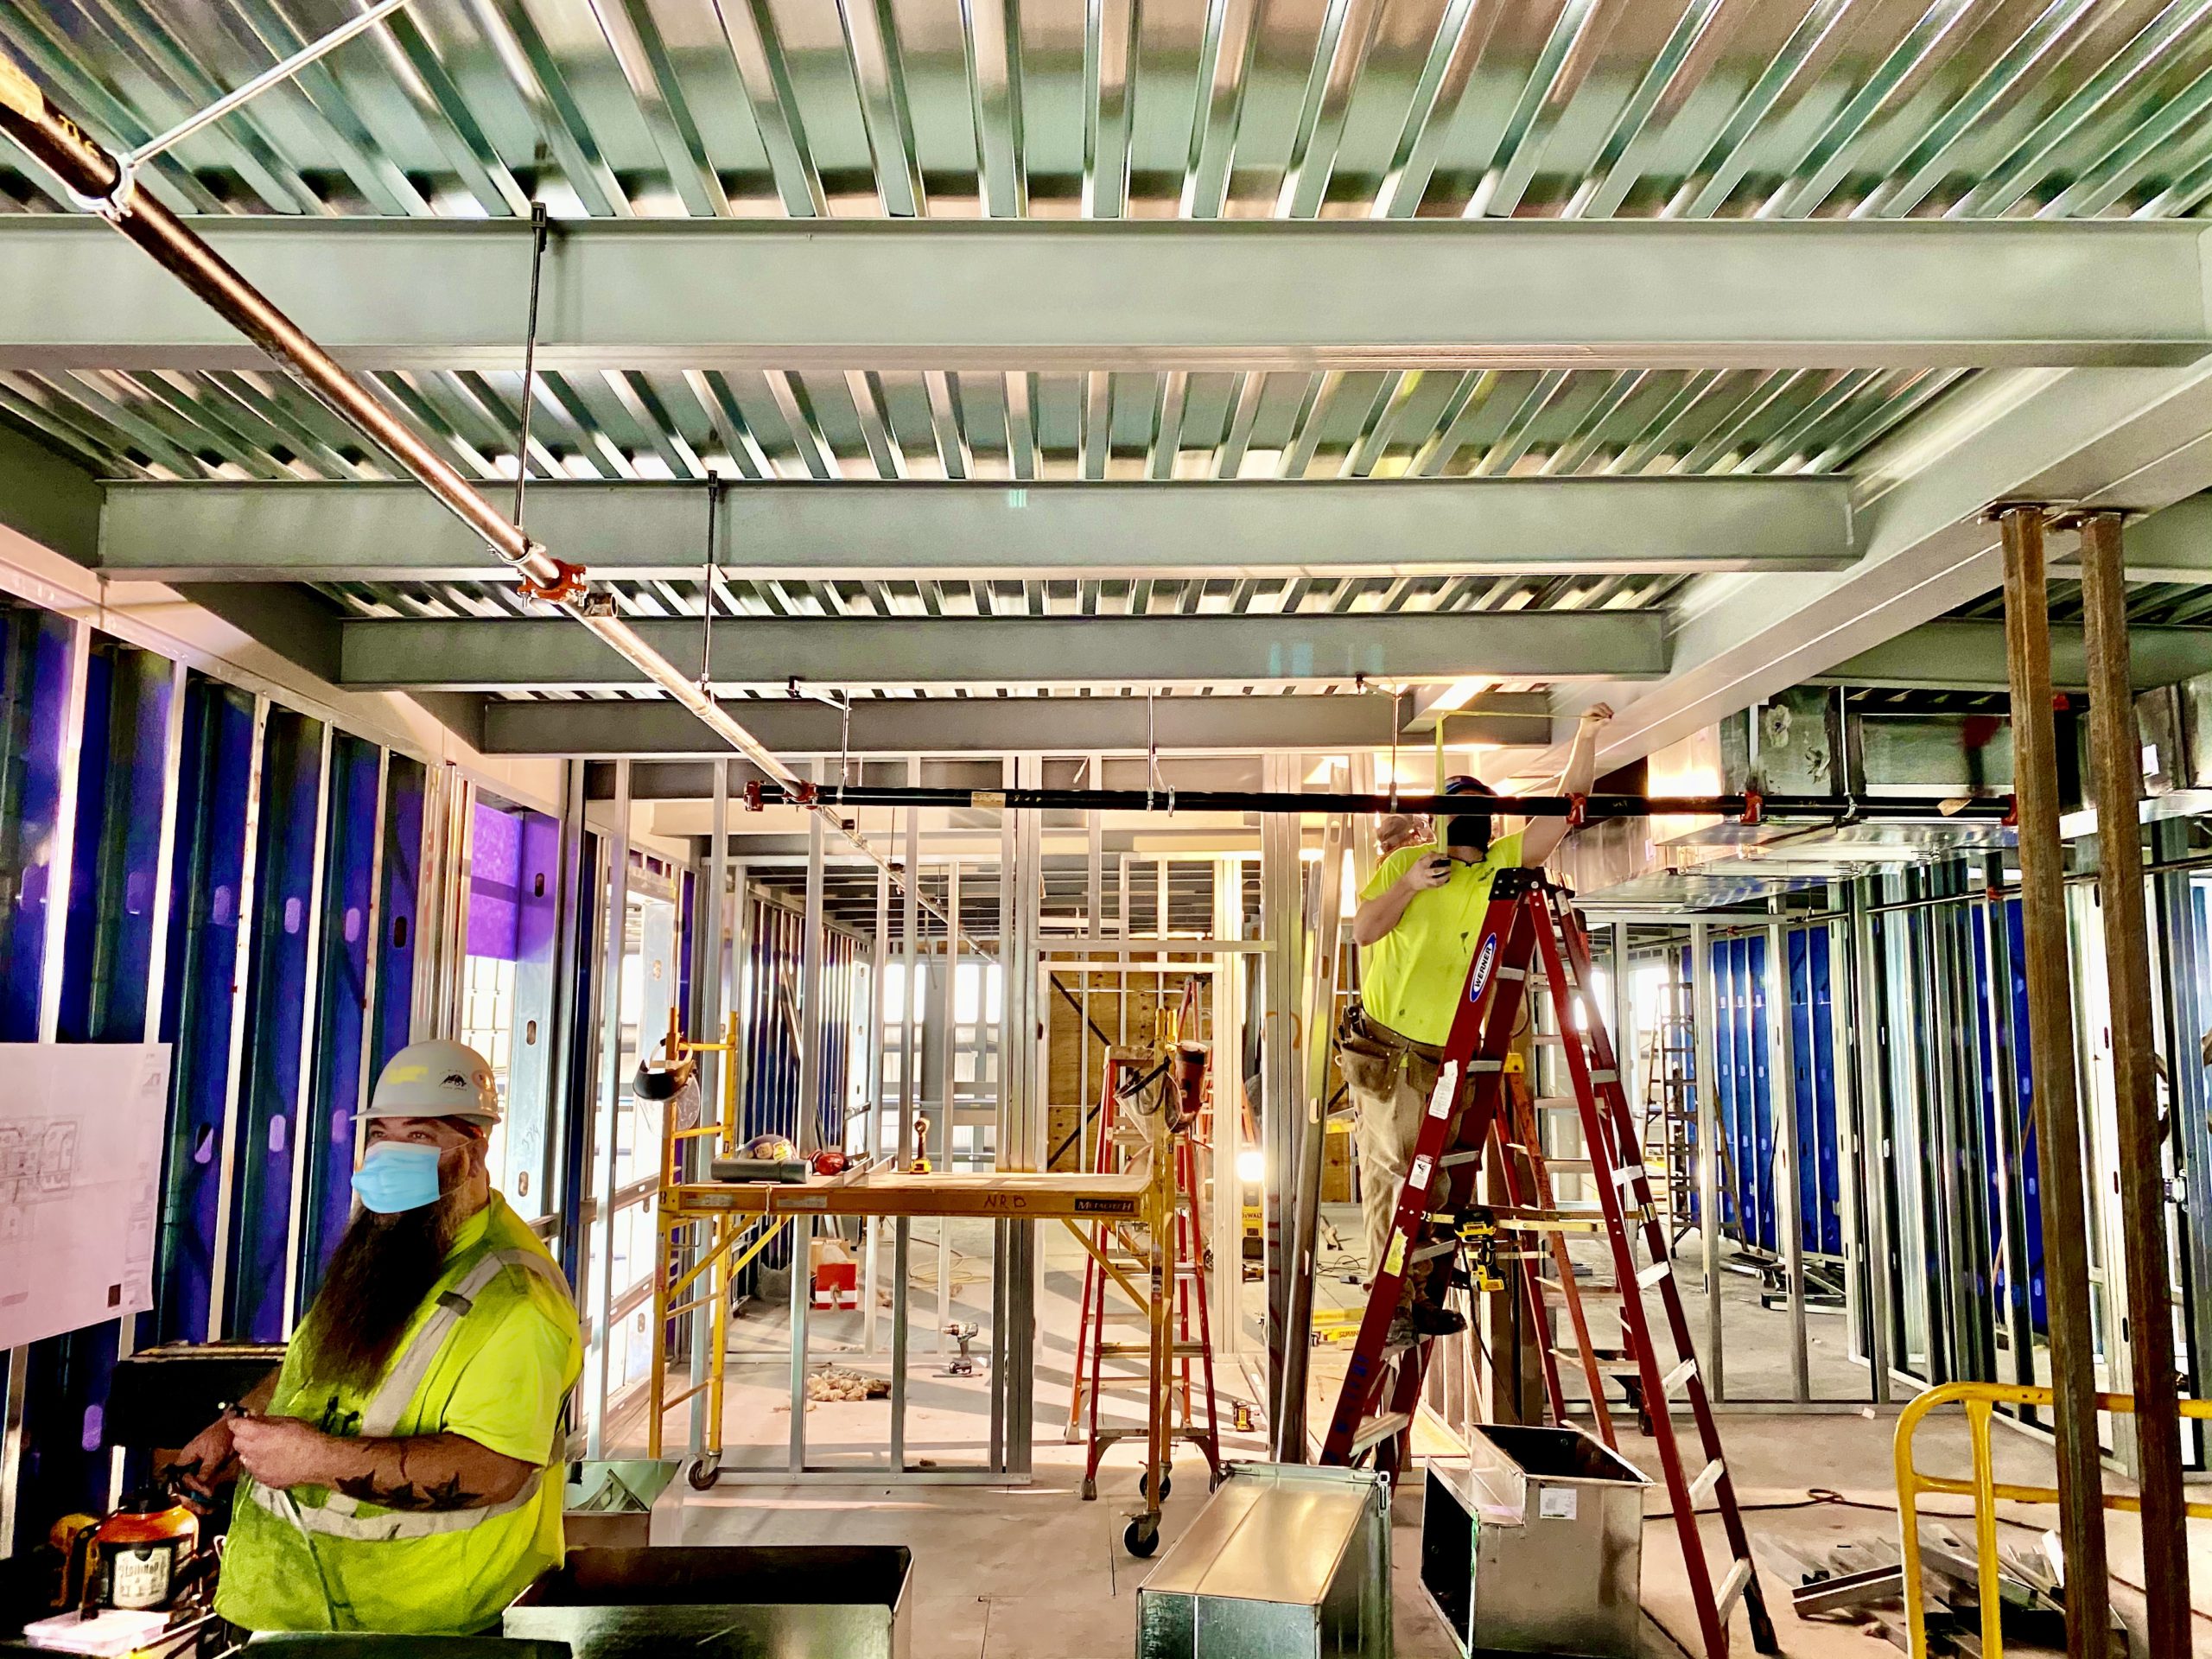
x: 1529, y: 926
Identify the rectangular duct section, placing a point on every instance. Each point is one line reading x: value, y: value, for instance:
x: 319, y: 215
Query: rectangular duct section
x: 1830, y: 740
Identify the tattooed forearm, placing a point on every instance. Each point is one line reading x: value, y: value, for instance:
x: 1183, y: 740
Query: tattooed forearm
x: 430, y: 1472
x: 448, y: 1495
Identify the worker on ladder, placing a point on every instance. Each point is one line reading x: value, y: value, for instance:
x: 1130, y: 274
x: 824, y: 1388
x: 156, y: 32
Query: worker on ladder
x: 1419, y: 921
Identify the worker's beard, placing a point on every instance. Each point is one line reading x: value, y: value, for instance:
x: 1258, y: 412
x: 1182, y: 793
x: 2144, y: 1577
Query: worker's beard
x: 378, y: 1276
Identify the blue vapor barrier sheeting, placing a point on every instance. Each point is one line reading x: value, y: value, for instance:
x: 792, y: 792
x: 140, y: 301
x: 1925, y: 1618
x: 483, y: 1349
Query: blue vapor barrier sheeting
x: 276, y: 989
x: 108, y: 955
x: 403, y: 876
x: 214, y: 783
x: 33, y: 706
x: 341, y: 1003
x: 1746, y: 1096
x: 181, y: 861
x: 109, y: 933
x: 2030, y: 1182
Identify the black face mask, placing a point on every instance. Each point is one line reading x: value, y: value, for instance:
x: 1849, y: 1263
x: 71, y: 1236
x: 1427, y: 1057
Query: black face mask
x: 1473, y: 830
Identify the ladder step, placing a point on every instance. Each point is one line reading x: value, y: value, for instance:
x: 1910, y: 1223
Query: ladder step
x: 1559, y: 1104
x: 1732, y: 1587
x: 1708, y: 1481
x: 1628, y: 1174
x: 1430, y: 1252
x: 1604, y: 1075
x: 1675, y: 1378
x: 1567, y: 1165
x: 1453, y: 1160
x: 1375, y: 1430
x: 1652, y: 1274
x: 1143, y: 1349
x: 1609, y: 1362
x: 1587, y: 1293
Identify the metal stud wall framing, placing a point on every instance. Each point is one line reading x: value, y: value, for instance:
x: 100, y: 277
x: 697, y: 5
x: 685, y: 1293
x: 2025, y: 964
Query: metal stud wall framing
x: 187, y: 863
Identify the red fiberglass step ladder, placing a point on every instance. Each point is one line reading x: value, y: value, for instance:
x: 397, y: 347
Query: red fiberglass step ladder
x: 1115, y: 1282
x: 1530, y: 927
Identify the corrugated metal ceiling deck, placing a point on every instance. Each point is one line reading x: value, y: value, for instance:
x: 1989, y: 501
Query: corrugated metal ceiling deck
x: 1777, y: 108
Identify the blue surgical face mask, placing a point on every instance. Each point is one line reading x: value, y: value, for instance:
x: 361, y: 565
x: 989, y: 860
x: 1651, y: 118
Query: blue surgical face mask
x: 396, y: 1175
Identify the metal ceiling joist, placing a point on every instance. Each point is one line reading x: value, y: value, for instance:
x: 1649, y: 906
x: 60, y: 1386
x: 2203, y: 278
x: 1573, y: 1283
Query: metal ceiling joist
x: 998, y: 726
x: 857, y: 531
x: 741, y: 294
x: 2138, y: 439
x: 1970, y: 657
x: 473, y: 655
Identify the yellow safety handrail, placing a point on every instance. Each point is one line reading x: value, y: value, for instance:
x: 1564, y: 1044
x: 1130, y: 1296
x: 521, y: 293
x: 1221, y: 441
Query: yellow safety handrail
x: 1981, y: 1400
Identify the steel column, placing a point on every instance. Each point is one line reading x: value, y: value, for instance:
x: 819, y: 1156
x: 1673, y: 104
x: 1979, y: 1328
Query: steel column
x: 2058, y: 1121
x: 2116, y: 753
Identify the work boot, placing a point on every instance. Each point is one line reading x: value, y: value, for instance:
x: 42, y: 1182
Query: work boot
x: 1421, y: 1321
x: 1436, y: 1320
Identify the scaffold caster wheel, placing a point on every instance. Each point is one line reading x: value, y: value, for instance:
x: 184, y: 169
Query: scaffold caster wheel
x: 1166, y: 1485
x: 1141, y: 1537
x: 703, y: 1473
x: 1089, y: 1489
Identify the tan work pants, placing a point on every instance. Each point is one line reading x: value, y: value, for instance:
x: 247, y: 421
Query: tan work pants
x: 1390, y: 1083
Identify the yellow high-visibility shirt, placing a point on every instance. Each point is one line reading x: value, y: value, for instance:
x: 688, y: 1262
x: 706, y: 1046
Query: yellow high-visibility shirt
x: 500, y: 1378
x: 1410, y: 979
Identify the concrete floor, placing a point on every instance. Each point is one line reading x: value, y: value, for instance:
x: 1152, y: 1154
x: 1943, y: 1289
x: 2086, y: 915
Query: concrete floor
x: 1032, y: 1571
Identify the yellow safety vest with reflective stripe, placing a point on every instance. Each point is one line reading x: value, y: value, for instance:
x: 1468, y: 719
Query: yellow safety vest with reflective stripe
x: 491, y: 1355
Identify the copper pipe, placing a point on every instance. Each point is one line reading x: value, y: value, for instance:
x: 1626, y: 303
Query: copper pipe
x: 102, y: 185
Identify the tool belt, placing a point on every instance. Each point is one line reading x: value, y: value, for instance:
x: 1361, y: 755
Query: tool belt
x: 1373, y: 1058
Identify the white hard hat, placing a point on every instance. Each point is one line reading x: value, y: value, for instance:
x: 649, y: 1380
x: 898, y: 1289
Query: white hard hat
x: 436, y: 1079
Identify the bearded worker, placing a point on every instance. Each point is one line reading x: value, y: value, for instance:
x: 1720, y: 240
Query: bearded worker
x: 400, y: 1471
x: 1417, y: 926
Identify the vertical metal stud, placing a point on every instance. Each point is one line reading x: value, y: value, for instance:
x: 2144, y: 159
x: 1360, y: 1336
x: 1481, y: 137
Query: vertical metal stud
x: 305, y: 1092
x: 1869, y: 1138
x: 157, y: 965
x: 249, y: 863
x: 608, y: 1095
x: 909, y: 1064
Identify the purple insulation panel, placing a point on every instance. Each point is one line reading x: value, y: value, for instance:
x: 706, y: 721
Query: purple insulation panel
x: 495, y: 883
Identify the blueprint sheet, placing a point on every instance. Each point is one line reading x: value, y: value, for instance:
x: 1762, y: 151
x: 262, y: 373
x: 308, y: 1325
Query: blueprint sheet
x: 80, y: 1179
